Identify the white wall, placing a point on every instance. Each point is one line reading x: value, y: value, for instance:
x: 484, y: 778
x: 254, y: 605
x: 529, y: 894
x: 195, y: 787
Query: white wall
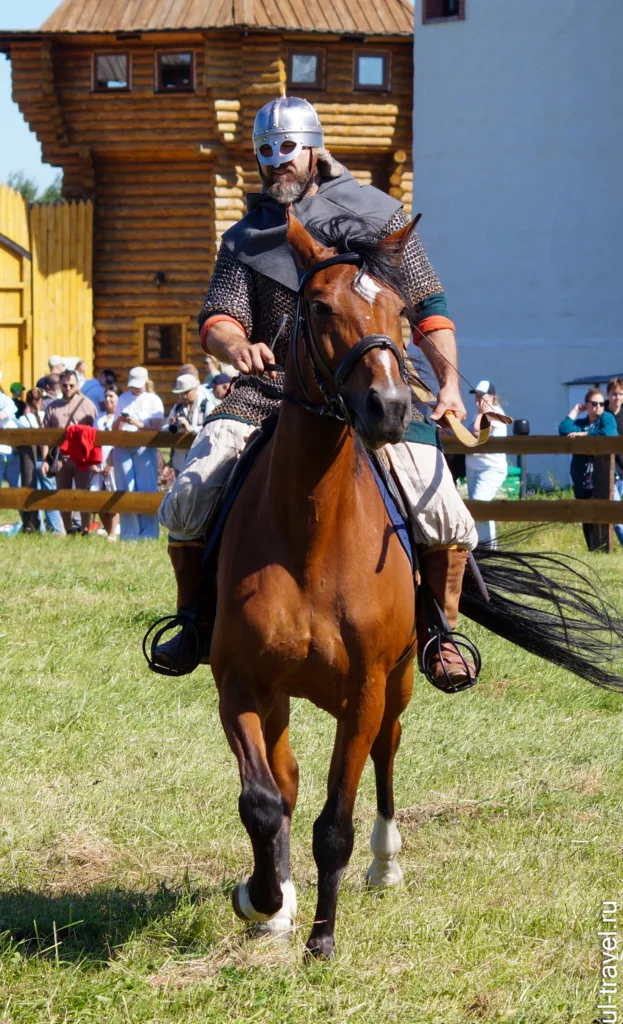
x: 518, y: 157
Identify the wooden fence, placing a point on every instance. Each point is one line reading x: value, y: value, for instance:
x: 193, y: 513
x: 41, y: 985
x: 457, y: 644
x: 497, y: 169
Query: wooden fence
x: 46, y: 288
x: 601, y: 510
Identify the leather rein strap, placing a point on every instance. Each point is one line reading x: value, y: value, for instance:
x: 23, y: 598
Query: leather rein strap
x: 334, y: 404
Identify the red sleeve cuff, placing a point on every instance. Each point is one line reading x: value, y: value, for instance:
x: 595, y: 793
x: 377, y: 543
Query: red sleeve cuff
x: 216, y: 319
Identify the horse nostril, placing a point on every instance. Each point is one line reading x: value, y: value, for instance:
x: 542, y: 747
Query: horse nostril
x: 376, y: 408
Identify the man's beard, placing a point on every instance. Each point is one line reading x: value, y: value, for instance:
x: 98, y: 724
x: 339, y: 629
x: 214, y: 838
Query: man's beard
x: 291, y: 189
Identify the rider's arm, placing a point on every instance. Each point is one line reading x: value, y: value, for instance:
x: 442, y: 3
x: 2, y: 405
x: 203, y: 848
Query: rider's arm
x: 226, y: 320
x: 433, y: 331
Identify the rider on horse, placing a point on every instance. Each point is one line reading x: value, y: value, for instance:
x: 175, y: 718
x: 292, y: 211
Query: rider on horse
x: 248, y: 319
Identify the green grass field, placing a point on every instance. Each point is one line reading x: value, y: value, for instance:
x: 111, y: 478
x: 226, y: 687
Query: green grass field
x: 120, y: 839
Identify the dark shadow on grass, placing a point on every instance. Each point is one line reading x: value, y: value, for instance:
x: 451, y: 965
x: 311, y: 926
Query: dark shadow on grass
x: 87, y: 928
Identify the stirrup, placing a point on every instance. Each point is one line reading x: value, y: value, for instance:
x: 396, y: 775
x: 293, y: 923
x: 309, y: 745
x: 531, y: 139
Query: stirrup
x: 461, y: 644
x: 186, y: 620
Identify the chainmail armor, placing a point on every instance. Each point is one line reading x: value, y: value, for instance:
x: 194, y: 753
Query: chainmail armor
x: 258, y: 302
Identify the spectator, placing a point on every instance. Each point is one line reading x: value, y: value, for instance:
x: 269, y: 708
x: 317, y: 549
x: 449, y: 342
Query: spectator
x: 597, y: 421
x: 103, y: 478
x: 186, y: 415
x: 79, y: 369
x: 486, y: 473
x: 17, y: 390
x: 30, y: 467
x: 615, y: 406
x: 51, y: 388
x: 94, y: 387
x: 202, y: 391
x: 55, y: 365
x: 9, y: 459
x: 212, y: 367
x: 136, y: 469
x: 73, y: 407
x: 219, y: 386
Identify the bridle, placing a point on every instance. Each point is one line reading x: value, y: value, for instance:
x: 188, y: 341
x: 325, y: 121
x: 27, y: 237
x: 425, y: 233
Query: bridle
x: 333, y: 402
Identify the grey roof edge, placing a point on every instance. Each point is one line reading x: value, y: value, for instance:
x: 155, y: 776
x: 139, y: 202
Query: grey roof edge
x: 594, y: 378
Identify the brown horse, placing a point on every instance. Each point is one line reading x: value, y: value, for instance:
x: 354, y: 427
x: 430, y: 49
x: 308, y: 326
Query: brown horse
x: 316, y: 594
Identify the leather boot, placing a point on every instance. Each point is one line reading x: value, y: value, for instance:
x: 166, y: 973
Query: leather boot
x: 442, y: 572
x: 180, y: 652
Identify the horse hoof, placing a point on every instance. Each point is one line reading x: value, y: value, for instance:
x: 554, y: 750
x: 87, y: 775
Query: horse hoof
x: 383, y: 875
x: 281, y: 923
x: 320, y: 948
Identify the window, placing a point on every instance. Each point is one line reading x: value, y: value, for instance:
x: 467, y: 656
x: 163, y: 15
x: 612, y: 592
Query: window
x: 372, y: 71
x: 163, y: 343
x: 306, y: 68
x: 175, y: 72
x: 439, y: 10
x: 111, y: 72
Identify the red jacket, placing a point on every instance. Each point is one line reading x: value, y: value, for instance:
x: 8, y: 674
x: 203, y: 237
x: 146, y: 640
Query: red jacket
x: 79, y: 446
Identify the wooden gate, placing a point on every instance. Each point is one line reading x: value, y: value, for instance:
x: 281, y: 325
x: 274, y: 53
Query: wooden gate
x: 15, y: 287
x: 46, y: 286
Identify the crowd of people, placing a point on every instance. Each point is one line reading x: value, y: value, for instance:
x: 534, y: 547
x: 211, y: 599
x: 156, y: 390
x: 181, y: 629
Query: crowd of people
x: 601, y: 415
x: 62, y: 398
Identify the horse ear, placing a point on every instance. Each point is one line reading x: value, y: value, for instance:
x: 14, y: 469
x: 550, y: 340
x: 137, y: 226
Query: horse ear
x: 396, y: 242
x: 308, y: 251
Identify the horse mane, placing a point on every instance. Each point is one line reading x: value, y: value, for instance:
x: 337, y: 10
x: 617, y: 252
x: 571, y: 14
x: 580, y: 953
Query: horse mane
x: 347, y: 234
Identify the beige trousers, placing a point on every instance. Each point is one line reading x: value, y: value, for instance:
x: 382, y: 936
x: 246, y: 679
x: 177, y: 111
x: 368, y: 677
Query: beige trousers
x: 437, y: 512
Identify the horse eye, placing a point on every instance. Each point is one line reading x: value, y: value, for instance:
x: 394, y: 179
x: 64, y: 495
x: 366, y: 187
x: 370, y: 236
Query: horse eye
x: 321, y: 308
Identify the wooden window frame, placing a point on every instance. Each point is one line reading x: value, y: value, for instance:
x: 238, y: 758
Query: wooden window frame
x: 308, y: 51
x: 141, y: 323
x: 387, y: 80
x: 110, y: 53
x: 187, y: 89
x: 432, y: 20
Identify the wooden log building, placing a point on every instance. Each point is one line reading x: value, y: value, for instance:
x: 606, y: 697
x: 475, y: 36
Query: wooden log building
x: 148, y: 108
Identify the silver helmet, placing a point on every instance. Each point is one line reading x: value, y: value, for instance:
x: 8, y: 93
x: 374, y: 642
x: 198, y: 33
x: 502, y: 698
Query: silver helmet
x: 288, y: 119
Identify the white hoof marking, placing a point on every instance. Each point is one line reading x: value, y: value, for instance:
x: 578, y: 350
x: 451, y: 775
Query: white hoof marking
x: 385, y: 844
x: 282, y: 922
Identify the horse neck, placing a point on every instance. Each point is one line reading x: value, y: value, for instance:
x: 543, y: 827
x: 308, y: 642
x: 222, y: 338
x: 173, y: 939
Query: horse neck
x: 314, y: 465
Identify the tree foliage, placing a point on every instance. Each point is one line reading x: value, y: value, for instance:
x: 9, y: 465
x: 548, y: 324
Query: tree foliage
x: 29, y: 187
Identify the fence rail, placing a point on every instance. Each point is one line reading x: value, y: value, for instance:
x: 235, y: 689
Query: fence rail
x: 537, y: 444
x: 557, y: 510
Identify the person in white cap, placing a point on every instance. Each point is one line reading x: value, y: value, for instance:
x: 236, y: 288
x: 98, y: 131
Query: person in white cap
x: 486, y: 473
x: 136, y: 469
x: 56, y: 364
x: 187, y: 415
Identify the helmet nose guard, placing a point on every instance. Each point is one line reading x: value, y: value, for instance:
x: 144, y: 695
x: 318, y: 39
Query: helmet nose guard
x: 289, y: 119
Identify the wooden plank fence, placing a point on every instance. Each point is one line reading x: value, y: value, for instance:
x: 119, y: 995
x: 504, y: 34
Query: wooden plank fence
x: 555, y: 510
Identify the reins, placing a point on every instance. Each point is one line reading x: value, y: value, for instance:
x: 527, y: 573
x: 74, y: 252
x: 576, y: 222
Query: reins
x: 333, y: 404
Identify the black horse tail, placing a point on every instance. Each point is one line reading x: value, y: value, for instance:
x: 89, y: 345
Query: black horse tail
x: 546, y: 603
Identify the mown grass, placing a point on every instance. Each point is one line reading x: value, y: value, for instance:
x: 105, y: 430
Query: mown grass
x: 120, y: 839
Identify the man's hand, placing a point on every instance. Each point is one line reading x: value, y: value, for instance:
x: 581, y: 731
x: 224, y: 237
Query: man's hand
x: 253, y: 358
x: 44, y: 468
x: 449, y: 400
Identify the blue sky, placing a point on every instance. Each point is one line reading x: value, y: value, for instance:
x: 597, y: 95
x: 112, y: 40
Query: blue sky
x: 20, y: 150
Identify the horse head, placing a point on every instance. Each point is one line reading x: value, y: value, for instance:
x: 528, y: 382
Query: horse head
x: 350, y: 315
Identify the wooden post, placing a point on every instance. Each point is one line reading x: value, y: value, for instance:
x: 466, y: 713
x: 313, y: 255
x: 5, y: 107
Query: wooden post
x: 602, y: 534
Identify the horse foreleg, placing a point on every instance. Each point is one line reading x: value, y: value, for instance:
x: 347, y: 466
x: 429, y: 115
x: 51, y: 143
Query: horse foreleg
x: 385, y: 841
x: 333, y: 829
x: 260, y: 897
x: 285, y: 771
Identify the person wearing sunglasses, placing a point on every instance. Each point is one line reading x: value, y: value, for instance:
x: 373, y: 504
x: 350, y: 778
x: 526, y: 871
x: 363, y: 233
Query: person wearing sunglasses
x: 615, y: 406
x: 596, y: 421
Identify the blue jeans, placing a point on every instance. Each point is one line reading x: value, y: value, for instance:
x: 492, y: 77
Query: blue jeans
x: 136, y: 469
x: 52, y: 519
x: 9, y: 469
x: 618, y: 496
